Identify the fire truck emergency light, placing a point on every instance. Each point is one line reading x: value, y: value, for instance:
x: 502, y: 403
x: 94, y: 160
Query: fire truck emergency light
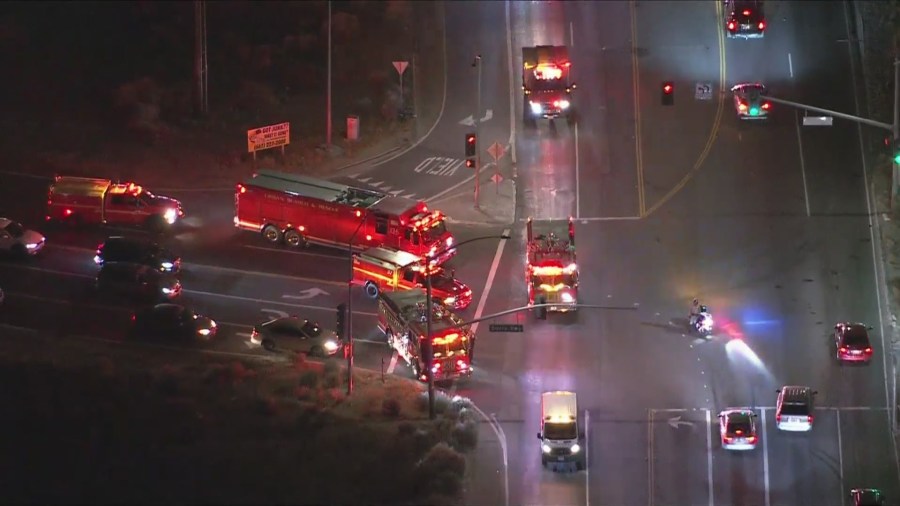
x: 547, y: 71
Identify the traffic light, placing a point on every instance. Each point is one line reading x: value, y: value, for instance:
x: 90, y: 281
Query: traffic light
x: 668, y: 93
x: 471, y: 150
x: 896, y: 151
x: 341, y: 325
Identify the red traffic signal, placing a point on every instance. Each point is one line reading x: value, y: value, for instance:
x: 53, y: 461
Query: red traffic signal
x: 668, y: 88
x: 470, y: 145
x: 470, y: 163
x: 668, y: 93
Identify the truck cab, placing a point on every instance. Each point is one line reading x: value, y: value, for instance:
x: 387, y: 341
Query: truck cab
x: 389, y: 269
x: 560, y: 434
x: 546, y: 83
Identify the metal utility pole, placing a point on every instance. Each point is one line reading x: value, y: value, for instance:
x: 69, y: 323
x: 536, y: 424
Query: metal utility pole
x: 201, y: 68
x: 477, y: 63
x: 328, y: 95
x: 895, y: 137
x: 350, y: 306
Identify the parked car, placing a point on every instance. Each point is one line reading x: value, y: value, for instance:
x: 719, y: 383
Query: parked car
x: 301, y: 336
x: 136, y: 282
x: 169, y: 320
x: 137, y: 251
x: 18, y: 240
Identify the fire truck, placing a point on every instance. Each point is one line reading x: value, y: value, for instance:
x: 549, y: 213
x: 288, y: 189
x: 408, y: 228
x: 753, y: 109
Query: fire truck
x: 299, y: 210
x: 552, y: 272
x: 546, y: 83
x: 382, y: 268
x: 85, y: 200
x: 401, y: 316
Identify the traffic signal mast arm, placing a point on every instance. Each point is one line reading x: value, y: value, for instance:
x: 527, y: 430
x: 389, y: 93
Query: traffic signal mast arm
x: 850, y: 117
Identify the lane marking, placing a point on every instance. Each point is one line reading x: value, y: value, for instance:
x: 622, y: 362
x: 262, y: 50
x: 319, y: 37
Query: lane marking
x: 650, y: 484
x: 48, y: 271
x: 840, y: 454
x: 498, y: 430
x: 490, y: 281
x: 766, y: 458
x: 17, y: 328
x: 434, y: 198
x: 294, y: 252
x: 635, y: 85
x: 714, y: 131
x: 577, y: 177
x: 393, y: 363
x: 709, y: 459
x: 880, y: 284
x: 587, y: 458
x: 273, y: 302
x: 802, y: 162
x: 571, y: 34
x: 512, y: 91
x: 790, y: 66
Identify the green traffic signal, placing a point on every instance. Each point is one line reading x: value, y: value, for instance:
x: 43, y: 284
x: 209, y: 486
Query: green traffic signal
x: 897, y: 158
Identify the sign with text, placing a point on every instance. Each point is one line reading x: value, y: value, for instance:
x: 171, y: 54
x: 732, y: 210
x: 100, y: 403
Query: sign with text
x: 506, y: 327
x: 267, y: 137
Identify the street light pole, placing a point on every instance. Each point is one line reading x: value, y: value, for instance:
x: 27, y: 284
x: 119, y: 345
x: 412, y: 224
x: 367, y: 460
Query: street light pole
x: 328, y: 95
x: 430, y: 314
x: 477, y: 63
x: 350, y: 307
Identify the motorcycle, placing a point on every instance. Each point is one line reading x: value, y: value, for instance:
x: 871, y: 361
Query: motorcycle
x: 702, y: 323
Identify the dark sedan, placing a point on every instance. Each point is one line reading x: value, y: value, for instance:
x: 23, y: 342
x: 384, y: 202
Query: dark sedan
x: 173, y: 321
x: 137, y: 251
x: 136, y: 282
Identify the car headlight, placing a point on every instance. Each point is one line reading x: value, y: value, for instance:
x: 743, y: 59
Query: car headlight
x: 98, y: 260
x: 167, y: 291
x: 170, y: 216
x: 450, y: 300
x: 564, y: 104
x: 31, y: 245
x: 575, y: 448
x: 204, y: 332
x: 330, y: 345
x: 167, y: 266
x: 536, y: 107
x: 449, y: 241
x: 567, y: 297
x: 545, y: 448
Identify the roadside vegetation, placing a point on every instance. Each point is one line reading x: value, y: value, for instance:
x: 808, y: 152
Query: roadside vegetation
x: 122, y: 104
x: 86, y: 424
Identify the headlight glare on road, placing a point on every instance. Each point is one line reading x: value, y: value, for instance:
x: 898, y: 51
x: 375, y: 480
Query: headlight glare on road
x: 545, y: 448
x: 536, y: 107
x: 575, y: 448
x: 330, y: 345
x: 170, y: 216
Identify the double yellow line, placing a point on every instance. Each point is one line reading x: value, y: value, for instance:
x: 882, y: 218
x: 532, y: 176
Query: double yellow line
x: 714, y: 131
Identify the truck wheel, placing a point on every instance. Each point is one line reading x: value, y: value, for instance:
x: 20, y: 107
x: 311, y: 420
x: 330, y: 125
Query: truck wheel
x: 271, y: 234
x: 371, y: 290
x: 293, y: 239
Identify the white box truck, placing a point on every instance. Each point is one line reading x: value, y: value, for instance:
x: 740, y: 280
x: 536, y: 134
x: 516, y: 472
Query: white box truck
x: 560, y: 437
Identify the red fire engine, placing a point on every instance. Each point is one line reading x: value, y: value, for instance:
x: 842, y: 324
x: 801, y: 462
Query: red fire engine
x: 401, y: 316
x: 551, y: 273
x: 299, y: 210
x: 546, y: 83
x: 388, y: 269
x: 84, y: 200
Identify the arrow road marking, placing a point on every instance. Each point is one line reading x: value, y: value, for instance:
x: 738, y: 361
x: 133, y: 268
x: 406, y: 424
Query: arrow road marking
x: 364, y: 179
x: 468, y: 121
x: 487, y: 115
x: 676, y: 421
x: 278, y: 313
x: 396, y: 192
x: 305, y: 294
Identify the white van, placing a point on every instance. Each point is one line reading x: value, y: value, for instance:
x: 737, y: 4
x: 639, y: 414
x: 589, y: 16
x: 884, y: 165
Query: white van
x: 560, y: 436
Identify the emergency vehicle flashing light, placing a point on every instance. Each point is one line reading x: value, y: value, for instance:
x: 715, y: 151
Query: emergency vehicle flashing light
x: 547, y: 72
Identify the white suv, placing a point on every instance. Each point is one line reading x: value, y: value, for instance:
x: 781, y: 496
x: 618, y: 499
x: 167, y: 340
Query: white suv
x: 794, y: 408
x: 18, y: 240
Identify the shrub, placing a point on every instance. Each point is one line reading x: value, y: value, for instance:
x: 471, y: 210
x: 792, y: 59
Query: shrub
x: 464, y: 436
x: 390, y: 408
x: 309, y: 379
x: 332, y: 374
x: 441, y: 402
x: 441, y: 470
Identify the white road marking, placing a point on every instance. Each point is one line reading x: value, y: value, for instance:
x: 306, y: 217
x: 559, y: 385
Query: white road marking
x: 17, y: 328
x: 445, y: 191
x: 571, y: 34
x: 490, y: 281
x: 650, y: 484
x: 50, y: 271
x: 802, y: 162
x: 273, y: 302
x: 709, y: 458
x: 577, y: 178
x: 880, y: 285
x: 296, y: 252
x: 498, y: 430
x: 840, y: 454
x: 790, y: 66
x: 393, y: 363
x: 587, y: 458
x: 276, y: 312
x: 512, y: 101
x: 765, y: 439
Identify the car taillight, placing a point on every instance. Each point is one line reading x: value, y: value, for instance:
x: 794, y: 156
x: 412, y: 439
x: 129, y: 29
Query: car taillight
x: 843, y: 349
x: 746, y: 12
x: 751, y: 439
x: 67, y: 212
x: 761, y: 25
x: 766, y: 106
x: 778, y: 417
x: 742, y: 106
x: 727, y: 439
x: 732, y: 25
x: 809, y: 419
x: 868, y: 351
x: 254, y: 334
x: 133, y: 317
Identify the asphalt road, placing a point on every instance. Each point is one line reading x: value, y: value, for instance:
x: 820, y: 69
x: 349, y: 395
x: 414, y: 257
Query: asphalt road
x: 725, y: 220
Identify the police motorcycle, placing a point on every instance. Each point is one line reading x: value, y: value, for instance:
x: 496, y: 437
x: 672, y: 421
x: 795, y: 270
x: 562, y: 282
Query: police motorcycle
x: 702, y: 322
